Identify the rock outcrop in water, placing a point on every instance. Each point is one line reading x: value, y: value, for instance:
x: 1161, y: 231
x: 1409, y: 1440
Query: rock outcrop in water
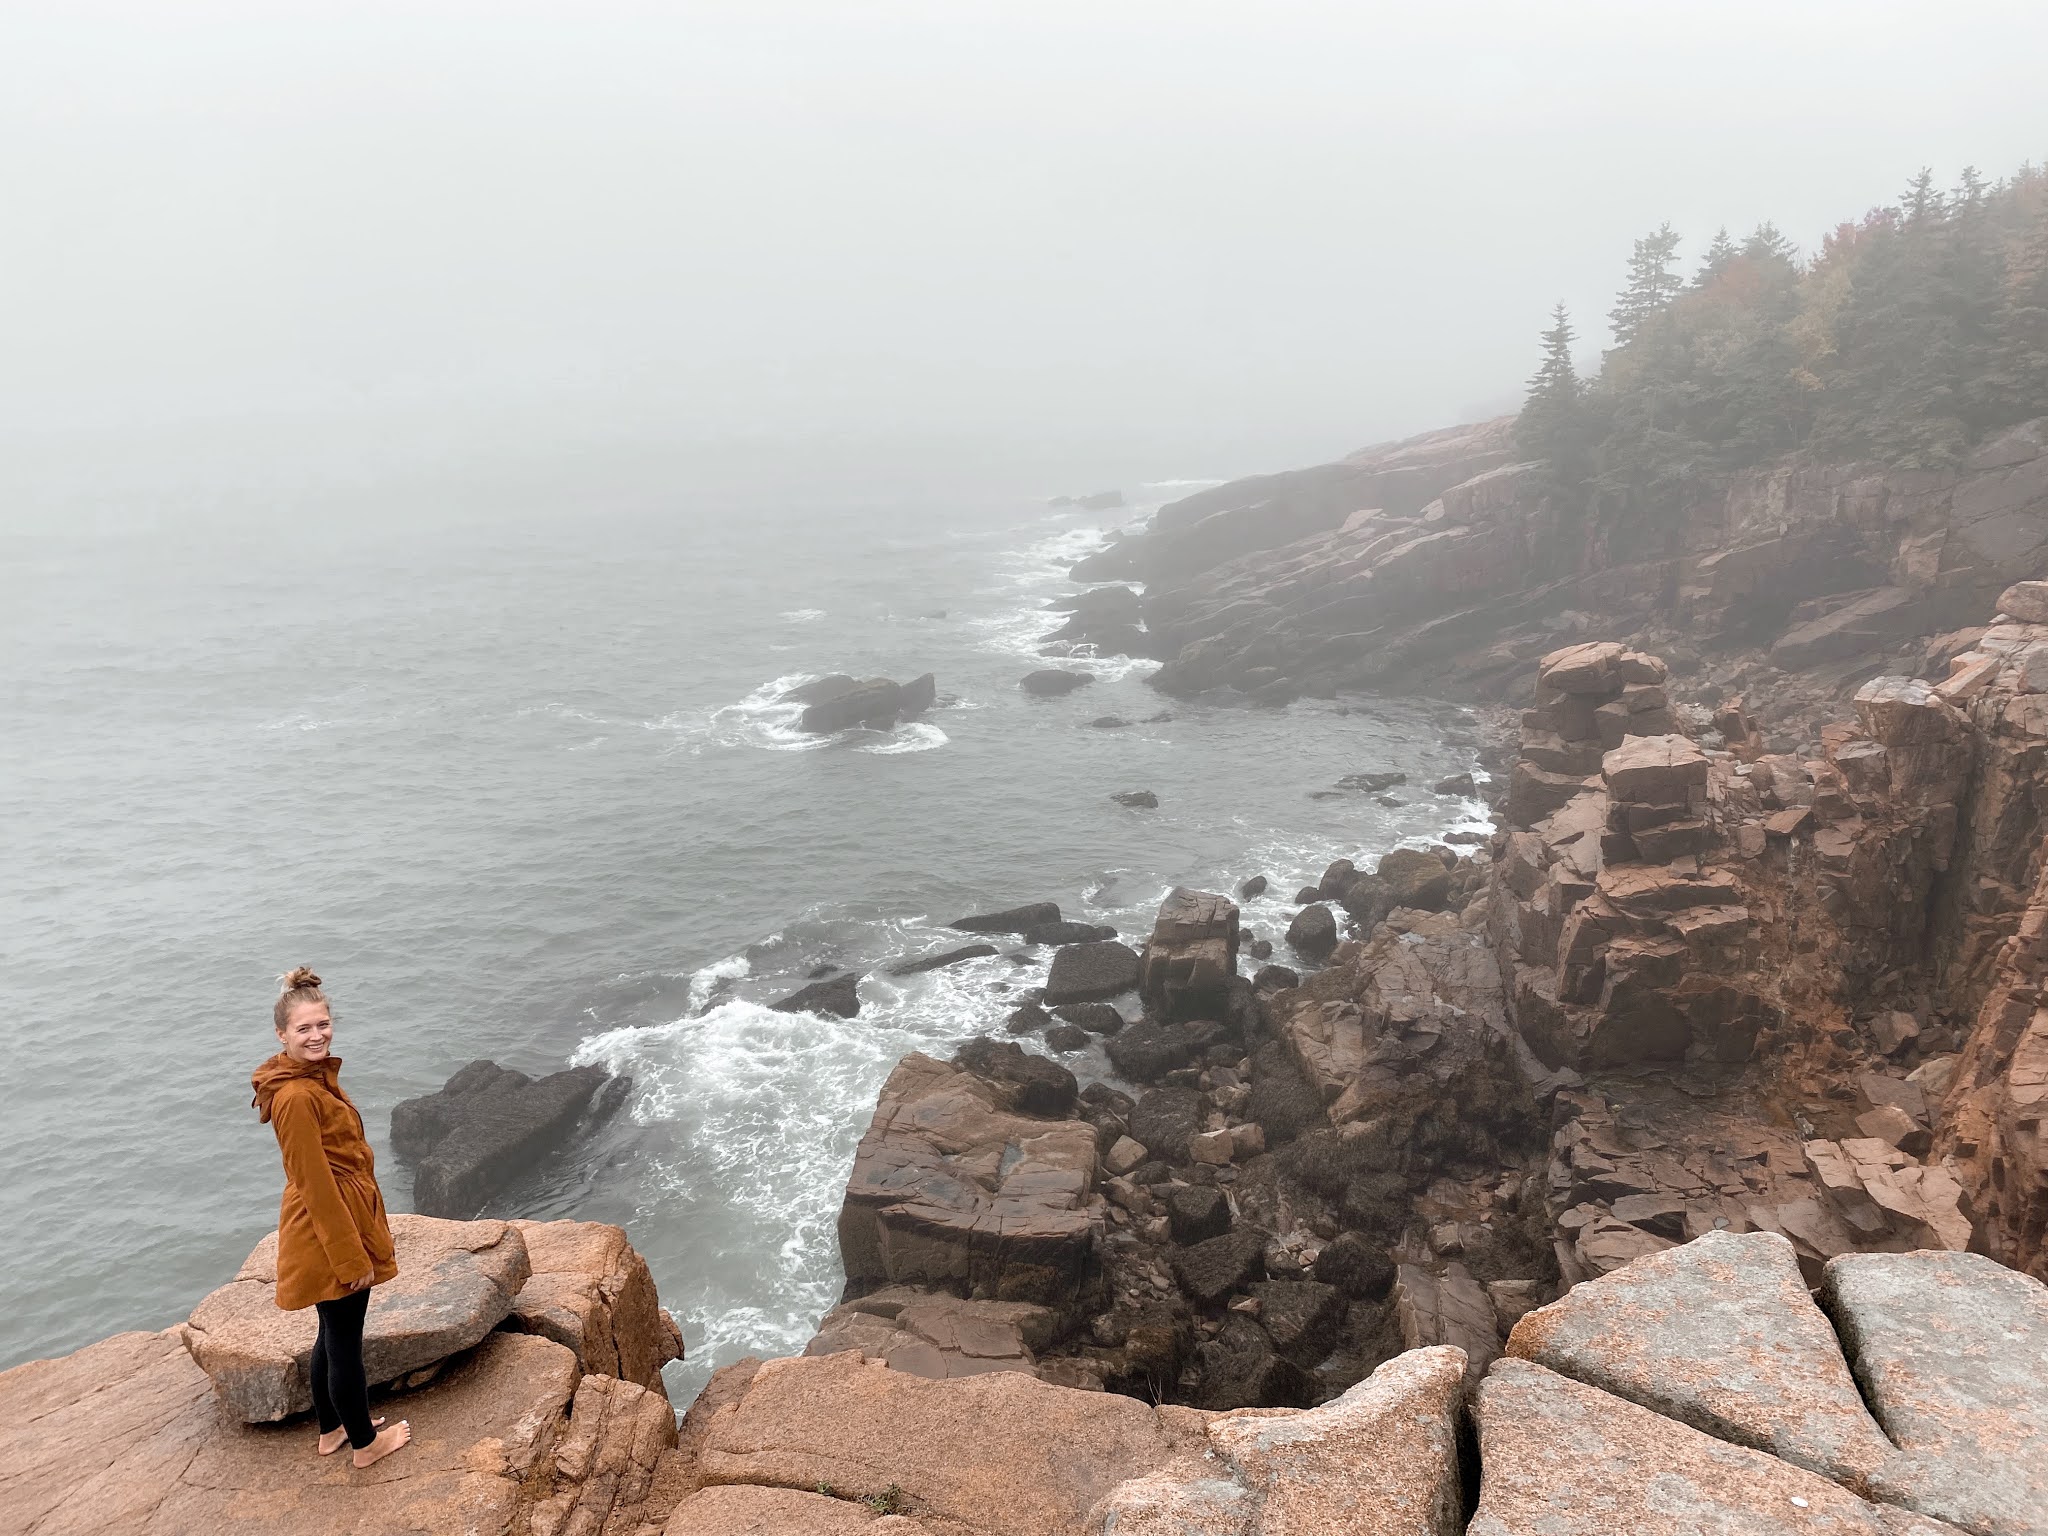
x: 488, y: 1124
x: 839, y: 702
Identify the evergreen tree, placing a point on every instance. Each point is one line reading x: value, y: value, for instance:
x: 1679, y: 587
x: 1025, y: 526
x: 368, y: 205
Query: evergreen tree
x: 1721, y: 253
x: 1651, y: 284
x: 1766, y: 244
x: 1552, y: 423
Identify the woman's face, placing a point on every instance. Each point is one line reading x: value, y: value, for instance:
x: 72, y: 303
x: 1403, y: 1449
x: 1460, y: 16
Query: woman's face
x: 307, y: 1032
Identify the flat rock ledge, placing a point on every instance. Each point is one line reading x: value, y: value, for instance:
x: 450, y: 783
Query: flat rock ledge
x: 513, y: 1431
x: 1697, y: 1389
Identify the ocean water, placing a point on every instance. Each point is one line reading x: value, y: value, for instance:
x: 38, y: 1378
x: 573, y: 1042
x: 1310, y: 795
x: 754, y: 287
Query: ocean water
x: 521, y: 788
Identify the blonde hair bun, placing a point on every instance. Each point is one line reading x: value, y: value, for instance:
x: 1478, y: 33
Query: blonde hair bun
x: 300, y: 979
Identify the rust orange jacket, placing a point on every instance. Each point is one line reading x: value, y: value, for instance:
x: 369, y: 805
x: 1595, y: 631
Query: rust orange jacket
x: 331, y: 1226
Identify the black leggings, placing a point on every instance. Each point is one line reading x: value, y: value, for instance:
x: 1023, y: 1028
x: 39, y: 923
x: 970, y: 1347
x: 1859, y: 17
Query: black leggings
x: 341, y: 1394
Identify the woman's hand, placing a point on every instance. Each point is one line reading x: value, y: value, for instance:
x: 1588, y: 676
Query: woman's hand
x: 360, y: 1281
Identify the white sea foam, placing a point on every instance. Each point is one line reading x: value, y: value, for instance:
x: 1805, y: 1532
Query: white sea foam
x: 766, y: 1110
x: 804, y: 615
x: 917, y: 736
x: 705, y: 981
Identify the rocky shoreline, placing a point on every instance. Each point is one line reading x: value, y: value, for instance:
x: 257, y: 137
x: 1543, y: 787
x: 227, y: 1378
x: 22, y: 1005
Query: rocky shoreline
x: 1670, y: 1160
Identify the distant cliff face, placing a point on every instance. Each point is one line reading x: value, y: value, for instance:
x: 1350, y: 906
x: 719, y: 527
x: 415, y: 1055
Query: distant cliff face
x: 1442, y: 564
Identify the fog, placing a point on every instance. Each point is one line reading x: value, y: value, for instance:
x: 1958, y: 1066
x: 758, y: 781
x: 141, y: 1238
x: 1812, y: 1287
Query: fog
x: 1064, y: 240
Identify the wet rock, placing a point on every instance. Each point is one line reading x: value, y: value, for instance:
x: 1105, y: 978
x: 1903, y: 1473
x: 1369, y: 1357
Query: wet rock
x: 1051, y: 682
x: 1313, y: 933
x: 1137, y: 799
x: 1091, y: 972
x: 456, y: 1282
x: 875, y: 702
x: 1951, y: 1350
x: 1068, y: 933
x: 1096, y: 1018
x: 1283, y: 1103
x: 911, y: 966
x: 1261, y: 949
x: 840, y: 996
x: 485, y: 1127
x: 1336, y: 881
x: 1028, y: 1019
x: 1022, y: 919
x: 1456, y: 784
x: 1271, y: 978
x: 1067, y: 1037
x: 1307, y: 894
x: 1040, y: 1087
x: 1371, y: 782
x: 1191, y: 959
x: 1255, y: 886
x: 1196, y: 1213
x: 1109, y: 722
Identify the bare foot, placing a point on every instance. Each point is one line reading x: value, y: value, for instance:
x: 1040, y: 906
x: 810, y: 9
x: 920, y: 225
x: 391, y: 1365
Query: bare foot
x: 387, y: 1441
x: 334, y: 1439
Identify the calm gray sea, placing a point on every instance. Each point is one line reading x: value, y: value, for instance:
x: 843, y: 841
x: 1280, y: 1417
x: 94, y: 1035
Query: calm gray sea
x: 518, y: 788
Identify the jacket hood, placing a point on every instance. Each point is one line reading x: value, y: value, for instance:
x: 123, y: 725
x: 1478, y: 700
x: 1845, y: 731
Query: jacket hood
x: 281, y: 1069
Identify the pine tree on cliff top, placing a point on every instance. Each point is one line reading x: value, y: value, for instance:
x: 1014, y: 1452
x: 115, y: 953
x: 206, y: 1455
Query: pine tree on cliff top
x: 1652, y: 285
x: 1552, y: 424
x: 1721, y: 253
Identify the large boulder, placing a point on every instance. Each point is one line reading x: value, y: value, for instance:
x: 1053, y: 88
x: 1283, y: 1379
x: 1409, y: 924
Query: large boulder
x: 1051, y: 934
x: 1164, y: 1121
x: 1036, y: 914
x: 457, y: 1280
x: 1191, y: 961
x: 1313, y: 933
x: 487, y: 1125
x: 1039, y: 1087
x: 1091, y: 972
x: 591, y: 1291
x: 875, y: 702
x: 952, y: 1186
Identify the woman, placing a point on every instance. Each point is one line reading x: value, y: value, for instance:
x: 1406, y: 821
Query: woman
x: 333, y: 1242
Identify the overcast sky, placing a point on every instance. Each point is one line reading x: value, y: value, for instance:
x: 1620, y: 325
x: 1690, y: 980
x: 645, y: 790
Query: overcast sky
x: 1230, y: 236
